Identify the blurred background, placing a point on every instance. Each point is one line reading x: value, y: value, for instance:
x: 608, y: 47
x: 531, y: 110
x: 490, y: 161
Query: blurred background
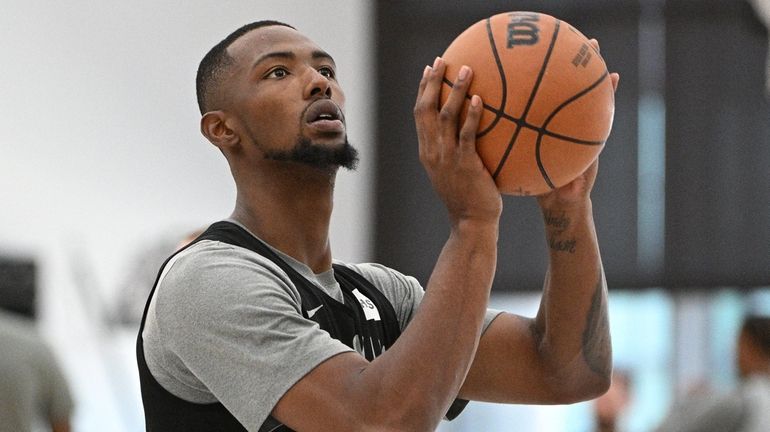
x: 103, y: 171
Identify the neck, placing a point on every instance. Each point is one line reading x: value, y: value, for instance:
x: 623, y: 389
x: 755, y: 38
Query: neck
x: 289, y: 206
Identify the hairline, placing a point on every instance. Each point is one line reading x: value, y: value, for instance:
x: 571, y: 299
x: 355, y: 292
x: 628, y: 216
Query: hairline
x: 219, y: 60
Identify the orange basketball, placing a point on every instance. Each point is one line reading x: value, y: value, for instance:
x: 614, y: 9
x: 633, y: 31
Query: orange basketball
x: 548, y: 99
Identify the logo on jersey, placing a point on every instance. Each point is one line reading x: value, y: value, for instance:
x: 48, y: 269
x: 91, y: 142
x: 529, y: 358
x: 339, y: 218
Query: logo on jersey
x: 370, y: 310
x: 368, y: 347
x: 312, y: 312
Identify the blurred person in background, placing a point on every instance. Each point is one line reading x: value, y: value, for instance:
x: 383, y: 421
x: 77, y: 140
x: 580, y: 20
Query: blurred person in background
x: 745, y: 409
x: 33, y: 391
x: 132, y: 292
x: 610, y: 407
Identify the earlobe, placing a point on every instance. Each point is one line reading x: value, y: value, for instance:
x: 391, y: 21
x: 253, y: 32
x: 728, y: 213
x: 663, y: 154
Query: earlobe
x: 215, y: 128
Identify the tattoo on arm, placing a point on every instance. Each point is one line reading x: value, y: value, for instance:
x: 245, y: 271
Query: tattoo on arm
x: 559, y: 221
x: 562, y: 245
x: 556, y: 223
x: 596, y: 336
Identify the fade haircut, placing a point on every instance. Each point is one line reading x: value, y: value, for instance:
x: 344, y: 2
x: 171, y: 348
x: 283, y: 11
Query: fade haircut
x: 217, y: 61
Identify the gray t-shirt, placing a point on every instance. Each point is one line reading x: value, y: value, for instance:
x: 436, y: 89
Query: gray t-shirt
x: 225, y: 324
x: 33, y: 389
x: 745, y: 409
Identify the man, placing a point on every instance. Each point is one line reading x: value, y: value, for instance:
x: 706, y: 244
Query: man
x: 254, y: 326
x: 609, y: 408
x: 33, y: 390
x: 745, y: 409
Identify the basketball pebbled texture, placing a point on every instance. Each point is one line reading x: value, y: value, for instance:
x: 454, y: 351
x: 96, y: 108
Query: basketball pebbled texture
x: 548, y: 99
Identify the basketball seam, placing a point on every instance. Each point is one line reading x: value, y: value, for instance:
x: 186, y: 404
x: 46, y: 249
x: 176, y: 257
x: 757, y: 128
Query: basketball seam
x: 503, y: 80
x: 531, y: 99
x: 550, y: 117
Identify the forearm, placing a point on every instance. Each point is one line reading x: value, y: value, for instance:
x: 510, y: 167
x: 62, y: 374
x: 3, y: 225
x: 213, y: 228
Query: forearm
x: 426, y: 367
x: 572, y: 327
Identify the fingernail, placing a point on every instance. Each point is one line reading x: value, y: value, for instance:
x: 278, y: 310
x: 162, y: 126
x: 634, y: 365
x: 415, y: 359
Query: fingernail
x: 463, y: 73
x: 426, y: 71
x: 475, y: 100
x: 436, y: 62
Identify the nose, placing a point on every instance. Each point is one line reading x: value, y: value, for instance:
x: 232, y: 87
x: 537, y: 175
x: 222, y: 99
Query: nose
x: 318, y: 85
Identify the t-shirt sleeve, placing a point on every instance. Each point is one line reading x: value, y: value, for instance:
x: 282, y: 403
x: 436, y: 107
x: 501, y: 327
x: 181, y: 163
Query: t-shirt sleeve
x: 56, y: 399
x: 236, y: 326
x: 707, y: 413
x: 404, y: 292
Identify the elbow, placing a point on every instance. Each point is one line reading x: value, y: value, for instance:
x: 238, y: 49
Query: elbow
x: 587, y: 386
x: 400, y: 416
x: 593, y: 387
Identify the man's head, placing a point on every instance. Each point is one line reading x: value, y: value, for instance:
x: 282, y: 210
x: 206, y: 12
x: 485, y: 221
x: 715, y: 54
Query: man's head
x: 268, y: 92
x: 215, y: 64
x: 754, y: 346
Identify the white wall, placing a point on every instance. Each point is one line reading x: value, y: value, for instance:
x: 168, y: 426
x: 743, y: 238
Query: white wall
x: 101, y: 151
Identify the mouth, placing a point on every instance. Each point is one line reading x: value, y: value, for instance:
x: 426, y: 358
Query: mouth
x: 325, y: 116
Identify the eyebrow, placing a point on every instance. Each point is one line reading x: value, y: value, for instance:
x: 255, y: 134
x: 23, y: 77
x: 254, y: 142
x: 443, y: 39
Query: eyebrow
x: 289, y: 55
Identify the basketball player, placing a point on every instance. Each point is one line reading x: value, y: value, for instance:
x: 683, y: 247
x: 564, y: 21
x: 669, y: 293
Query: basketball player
x: 253, y: 326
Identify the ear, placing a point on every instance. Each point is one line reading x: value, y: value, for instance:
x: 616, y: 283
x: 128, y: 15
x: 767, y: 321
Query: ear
x: 215, y: 127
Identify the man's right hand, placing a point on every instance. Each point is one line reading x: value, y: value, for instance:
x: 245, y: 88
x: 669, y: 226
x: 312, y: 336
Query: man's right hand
x: 448, y: 150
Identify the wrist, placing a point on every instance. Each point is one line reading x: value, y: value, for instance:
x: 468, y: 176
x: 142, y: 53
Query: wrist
x: 572, y: 208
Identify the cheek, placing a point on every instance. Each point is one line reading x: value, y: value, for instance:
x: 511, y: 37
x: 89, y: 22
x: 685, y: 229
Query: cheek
x: 271, y: 120
x: 338, y: 96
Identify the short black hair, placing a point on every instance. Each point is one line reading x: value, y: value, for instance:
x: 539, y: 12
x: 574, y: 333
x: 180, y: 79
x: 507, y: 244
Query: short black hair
x: 758, y: 327
x: 217, y: 60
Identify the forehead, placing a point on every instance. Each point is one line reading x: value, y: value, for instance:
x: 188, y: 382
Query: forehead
x: 273, y: 38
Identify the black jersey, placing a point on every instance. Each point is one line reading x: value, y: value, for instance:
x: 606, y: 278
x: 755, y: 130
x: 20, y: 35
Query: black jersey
x: 349, y: 322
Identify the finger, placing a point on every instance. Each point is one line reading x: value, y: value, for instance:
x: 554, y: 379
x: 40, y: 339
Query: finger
x: 417, y: 105
x: 594, y: 43
x: 453, y: 106
x: 423, y: 82
x: 615, y: 77
x: 427, y: 105
x: 425, y: 112
x: 433, y: 82
x: 471, y: 125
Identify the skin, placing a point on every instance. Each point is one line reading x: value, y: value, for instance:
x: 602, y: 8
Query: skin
x: 61, y: 426
x: 750, y: 357
x: 562, y: 355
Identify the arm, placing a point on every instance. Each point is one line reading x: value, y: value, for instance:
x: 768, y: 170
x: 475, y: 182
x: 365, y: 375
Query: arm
x: 564, y: 354
x: 400, y: 390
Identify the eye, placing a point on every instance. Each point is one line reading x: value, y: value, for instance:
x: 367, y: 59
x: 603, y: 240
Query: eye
x: 326, y: 71
x: 278, y: 72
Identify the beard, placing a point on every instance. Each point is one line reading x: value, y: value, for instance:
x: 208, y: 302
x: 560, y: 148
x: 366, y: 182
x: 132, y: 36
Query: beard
x: 318, y: 155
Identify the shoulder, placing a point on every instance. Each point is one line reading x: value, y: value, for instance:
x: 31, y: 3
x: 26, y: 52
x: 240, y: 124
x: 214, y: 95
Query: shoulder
x: 210, y: 275
x: 381, y: 275
x: 213, y: 263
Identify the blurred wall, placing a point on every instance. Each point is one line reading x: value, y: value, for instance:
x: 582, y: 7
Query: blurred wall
x: 681, y: 199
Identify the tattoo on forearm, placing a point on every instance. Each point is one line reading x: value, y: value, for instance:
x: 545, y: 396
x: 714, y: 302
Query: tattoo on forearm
x: 560, y: 221
x: 557, y: 223
x: 596, y: 336
x: 562, y: 245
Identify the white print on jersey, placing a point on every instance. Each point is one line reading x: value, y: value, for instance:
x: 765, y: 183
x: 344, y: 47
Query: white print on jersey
x: 358, y: 345
x: 370, y: 310
x: 312, y: 312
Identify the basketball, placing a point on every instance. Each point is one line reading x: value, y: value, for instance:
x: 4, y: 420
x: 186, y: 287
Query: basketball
x: 548, y: 99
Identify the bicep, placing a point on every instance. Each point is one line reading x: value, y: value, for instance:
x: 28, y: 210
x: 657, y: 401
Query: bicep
x: 507, y: 366
x: 324, y: 399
